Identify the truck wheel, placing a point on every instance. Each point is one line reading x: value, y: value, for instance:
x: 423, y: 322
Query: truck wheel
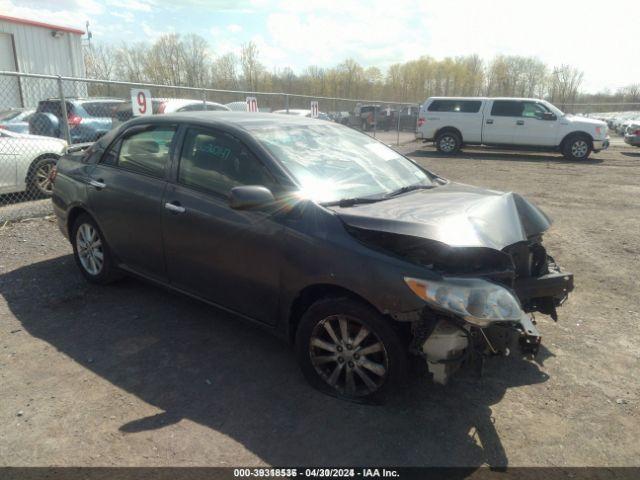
x: 448, y: 142
x: 577, y: 147
x: 347, y: 349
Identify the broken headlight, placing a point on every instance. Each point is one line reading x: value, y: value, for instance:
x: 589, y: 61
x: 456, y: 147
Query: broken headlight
x: 477, y: 301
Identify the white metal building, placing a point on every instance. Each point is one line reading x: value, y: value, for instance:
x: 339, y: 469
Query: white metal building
x: 34, y: 47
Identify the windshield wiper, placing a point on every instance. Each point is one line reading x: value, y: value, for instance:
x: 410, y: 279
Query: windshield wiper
x: 409, y: 188
x: 350, y: 202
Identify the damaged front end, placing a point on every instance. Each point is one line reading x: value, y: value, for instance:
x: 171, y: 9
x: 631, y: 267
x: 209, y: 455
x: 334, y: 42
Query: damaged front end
x: 483, y: 300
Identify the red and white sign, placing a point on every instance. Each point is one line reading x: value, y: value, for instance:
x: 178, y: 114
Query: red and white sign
x: 141, y: 102
x: 252, y: 104
x: 314, y: 109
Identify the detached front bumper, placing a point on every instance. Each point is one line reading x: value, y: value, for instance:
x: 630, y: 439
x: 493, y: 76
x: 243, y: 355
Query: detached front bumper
x: 599, y: 145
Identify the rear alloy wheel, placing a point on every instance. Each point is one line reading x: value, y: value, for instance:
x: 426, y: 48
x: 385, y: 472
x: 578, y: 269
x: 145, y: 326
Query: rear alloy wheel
x: 448, y: 142
x: 91, y: 251
x: 40, y: 177
x: 347, y: 349
x: 577, y: 148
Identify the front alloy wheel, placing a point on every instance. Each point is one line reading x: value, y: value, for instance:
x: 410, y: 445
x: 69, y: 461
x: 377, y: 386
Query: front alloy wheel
x: 579, y: 148
x: 347, y: 356
x: 347, y: 349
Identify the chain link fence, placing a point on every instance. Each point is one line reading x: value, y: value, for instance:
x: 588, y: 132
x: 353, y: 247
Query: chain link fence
x: 41, y: 115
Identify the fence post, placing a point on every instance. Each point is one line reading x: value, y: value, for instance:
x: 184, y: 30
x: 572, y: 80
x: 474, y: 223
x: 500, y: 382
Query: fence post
x: 375, y: 120
x: 63, y: 110
x: 398, y: 110
x: 204, y: 99
x: 286, y: 102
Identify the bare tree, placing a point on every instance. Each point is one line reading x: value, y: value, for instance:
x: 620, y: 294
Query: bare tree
x: 251, y: 67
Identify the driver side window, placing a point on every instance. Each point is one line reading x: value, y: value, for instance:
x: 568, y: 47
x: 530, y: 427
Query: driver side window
x: 216, y: 162
x: 534, y: 110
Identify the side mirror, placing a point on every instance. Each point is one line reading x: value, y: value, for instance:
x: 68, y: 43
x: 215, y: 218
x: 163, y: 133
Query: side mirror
x: 250, y: 196
x: 549, y: 116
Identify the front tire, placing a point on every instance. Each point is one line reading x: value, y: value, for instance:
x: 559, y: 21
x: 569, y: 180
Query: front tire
x: 577, y: 147
x: 91, y: 252
x: 448, y: 142
x: 347, y: 349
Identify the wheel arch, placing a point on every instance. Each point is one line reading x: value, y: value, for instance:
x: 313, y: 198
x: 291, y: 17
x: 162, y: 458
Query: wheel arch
x: 73, y: 214
x: 450, y: 129
x: 575, y: 133
x: 312, y: 293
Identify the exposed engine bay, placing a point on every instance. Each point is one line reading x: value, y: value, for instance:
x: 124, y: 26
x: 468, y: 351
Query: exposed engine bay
x: 486, y: 270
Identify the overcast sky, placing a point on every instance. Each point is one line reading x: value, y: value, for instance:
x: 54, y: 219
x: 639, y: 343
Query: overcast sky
x: 600, y: 38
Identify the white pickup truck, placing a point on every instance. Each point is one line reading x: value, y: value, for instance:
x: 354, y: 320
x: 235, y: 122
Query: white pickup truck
x: 523, y: 123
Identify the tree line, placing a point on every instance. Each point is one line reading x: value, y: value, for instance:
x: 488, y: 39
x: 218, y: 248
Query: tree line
x: 187, y: 61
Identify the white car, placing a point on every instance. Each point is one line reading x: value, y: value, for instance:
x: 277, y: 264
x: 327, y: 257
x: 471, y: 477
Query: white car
x: 301, y: 112
x: 522, y: 123
x: 26, y: 162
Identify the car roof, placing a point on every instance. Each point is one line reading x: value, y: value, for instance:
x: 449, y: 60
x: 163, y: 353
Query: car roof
x: 245, y: 121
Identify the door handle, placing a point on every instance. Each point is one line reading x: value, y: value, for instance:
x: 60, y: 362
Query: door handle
x: 490, y: 121
x: 98, y: 184
x: 520, y: 122
x: 175, y: 207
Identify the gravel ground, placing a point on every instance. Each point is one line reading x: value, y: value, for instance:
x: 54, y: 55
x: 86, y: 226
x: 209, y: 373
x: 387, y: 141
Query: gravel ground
x: 131, y: 374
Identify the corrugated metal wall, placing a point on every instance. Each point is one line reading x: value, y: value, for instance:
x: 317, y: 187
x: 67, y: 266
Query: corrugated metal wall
x: 37, y: 51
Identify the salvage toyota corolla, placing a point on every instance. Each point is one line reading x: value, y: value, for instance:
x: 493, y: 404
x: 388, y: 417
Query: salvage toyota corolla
x: 351, y: 251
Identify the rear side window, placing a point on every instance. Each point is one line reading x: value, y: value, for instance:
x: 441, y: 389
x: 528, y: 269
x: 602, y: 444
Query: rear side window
x: 100, y: 109
x: 506, y: 108
x: 461, y: 106
x: 54, y: 107
x: 145, y: 152
x: 217, y: 162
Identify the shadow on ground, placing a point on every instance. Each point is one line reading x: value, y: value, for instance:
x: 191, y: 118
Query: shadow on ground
x: 193, y: 362
x: 510, y: 156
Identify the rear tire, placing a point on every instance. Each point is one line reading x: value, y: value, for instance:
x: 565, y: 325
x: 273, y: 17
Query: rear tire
x: 91, y: 252
x: 347, y: 349
x: 448, y: 142
x: 39, y: 183
x: 577, y: 147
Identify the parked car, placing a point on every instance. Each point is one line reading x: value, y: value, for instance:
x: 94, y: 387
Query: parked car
x: 409, y: 117
x: 88, y: 118
x: 370, y: 117
x: 332, y: 240
x: 632, y: 134
x: 26, y: 162
x: 523, y: 123
x: 302, y: 112
x: 16, y: 119
x: 124, y: 111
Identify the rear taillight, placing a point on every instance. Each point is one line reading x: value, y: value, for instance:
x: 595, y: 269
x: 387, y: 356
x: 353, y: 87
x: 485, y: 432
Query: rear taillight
x: 161, y: 107
x: 637, y: 133
x: 2, y: 127
x: 421, y: 121
x: 74, y: 120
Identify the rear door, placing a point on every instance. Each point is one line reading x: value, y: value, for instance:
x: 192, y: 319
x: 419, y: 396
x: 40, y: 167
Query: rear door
x: 537, y: 126
x: 501, y: 121
x: 463, y: 114
x: 125, y: 196
x: 229, y: 257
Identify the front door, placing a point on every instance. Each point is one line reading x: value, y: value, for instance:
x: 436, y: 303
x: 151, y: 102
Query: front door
x: 126, y: 189
x: 538, y: 126
x: 229, y: 257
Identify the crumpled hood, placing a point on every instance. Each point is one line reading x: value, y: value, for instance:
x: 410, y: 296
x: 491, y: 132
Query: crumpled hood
x: 455, y: 214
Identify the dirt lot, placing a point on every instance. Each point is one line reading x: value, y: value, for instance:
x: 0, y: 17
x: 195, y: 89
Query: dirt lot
x: 132, y: 375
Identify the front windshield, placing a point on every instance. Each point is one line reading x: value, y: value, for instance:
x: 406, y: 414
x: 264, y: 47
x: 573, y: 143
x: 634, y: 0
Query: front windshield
x: 332, y: 162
